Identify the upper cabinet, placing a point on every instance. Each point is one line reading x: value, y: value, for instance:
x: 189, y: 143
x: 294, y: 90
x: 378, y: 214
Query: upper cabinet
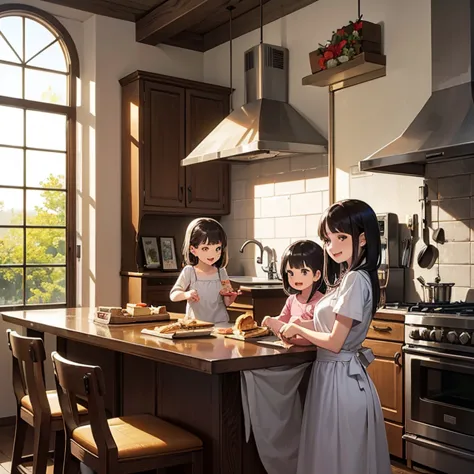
x: 163, y: 119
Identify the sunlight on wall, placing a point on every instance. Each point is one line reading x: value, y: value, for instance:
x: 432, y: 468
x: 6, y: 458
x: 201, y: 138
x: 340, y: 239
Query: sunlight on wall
x: 78, y: 91
x: 92, y: 98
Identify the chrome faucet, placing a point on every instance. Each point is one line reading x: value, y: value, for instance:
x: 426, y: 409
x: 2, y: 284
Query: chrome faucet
x: 271, y: 269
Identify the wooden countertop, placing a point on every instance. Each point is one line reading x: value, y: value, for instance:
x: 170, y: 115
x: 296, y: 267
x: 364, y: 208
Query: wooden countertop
x: 212, y: 355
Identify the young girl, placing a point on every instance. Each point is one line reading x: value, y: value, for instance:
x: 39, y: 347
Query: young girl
x: 202, y: 280
x: 343, y: 428
x: 301, y: 271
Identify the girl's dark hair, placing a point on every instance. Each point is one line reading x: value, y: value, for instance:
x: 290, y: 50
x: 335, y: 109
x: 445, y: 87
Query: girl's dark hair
x: 354, y: 217
x: 304, y: 253
x: 205, y: 231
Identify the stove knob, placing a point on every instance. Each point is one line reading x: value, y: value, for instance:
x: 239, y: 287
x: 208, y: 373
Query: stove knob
x: 433, y: 335
x: 415, y: 334
x: 453, y: 337
x: 464, y: 337
x: 440, y: 335
x: 425, y: 334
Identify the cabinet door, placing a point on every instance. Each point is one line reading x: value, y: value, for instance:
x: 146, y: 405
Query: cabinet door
x: 164, y: 178
x: 387, y: 374
x: 207, y: 184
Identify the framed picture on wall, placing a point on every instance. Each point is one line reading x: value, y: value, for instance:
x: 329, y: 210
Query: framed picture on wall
x: 168, y: 253
x: 152, y: 255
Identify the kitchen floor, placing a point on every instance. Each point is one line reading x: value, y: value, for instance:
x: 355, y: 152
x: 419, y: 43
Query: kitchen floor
x: 6, y: 444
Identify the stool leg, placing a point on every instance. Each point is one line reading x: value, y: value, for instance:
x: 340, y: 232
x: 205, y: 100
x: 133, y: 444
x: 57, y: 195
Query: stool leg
x: 197, y: 463
x: 18, y: 442
x: 59, y: 446
x: 41, y: 446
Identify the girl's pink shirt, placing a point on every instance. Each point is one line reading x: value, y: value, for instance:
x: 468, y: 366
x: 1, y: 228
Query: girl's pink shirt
x: 294, y: 310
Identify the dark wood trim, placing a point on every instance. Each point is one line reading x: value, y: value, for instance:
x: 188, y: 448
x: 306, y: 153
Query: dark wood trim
x: 70, y: 50
x: 187, y: 40
x: 174, y: 81
x: 250, y: 21
x: 101, y: 7
x: 7, y: 421
x: 171, y: 18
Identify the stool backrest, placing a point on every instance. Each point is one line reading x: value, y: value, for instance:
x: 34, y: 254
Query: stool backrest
x: 75, y: 380
x: 28, y: 356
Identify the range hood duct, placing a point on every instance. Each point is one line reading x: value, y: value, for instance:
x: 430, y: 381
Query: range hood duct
x: 267, y: 126
x: 444, y: 128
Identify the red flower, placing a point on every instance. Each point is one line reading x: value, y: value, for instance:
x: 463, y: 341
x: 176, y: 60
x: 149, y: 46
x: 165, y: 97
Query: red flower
x: 328, y: 55
x: 358, y: 26
x: 322, y: 63
x: 342, y: 43
x: 340, y: 32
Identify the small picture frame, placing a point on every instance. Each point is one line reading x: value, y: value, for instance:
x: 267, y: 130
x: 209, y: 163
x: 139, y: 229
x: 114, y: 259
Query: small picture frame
x: 152, y: 255
x: 168, y: 253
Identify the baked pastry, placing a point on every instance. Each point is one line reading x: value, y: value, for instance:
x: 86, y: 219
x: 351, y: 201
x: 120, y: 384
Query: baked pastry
x: 195, y: 324
x: 138, y: 309
x: 246, y: 327
x: 168, y: 328
x: 226, y: 287
x: 224, y: 331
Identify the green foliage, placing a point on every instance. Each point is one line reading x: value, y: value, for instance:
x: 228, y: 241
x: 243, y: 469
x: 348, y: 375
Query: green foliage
x: 43, y: 246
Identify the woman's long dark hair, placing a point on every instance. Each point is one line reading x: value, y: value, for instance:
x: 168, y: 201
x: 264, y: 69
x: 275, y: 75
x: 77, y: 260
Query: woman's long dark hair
x: 354, y: 217
x: 204, y: 231
x: 304, y: 253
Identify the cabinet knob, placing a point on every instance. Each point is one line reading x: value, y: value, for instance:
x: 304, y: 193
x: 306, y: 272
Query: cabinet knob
x: 181, y: 193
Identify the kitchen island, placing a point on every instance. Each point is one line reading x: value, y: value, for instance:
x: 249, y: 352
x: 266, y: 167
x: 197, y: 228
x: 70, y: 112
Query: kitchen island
x: 194, y: 382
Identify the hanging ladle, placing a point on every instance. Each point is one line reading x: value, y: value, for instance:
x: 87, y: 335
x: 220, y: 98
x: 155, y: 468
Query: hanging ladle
x: 429, y: 253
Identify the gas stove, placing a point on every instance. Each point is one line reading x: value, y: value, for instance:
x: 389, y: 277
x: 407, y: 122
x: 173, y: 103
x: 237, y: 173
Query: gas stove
x: 448, y: 327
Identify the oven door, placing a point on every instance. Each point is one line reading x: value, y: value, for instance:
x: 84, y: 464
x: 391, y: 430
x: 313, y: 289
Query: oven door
x: 439, y: 395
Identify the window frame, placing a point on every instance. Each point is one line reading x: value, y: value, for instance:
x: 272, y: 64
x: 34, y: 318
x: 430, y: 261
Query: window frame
x: 70, y: 111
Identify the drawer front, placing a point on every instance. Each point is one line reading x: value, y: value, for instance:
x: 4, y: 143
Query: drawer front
x: 394, y: 439
x: 386, y: 330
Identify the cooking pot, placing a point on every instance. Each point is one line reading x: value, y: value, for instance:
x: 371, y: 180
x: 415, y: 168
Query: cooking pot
x: 436, y: 292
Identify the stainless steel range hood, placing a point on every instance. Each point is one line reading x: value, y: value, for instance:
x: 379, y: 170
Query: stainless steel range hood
x: 444, y: 129
x: 267, y: 126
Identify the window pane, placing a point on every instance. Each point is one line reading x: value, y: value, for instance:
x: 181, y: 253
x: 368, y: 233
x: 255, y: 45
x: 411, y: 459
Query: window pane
x: 46, y: 208
x: 11, y: 206
x: 11, y: 81
x: 45, y: 246
x: 12, y: 28
x: 11, y: 166
x: 6, y: 52
x: 46, y: 87
x: 45, y: 285
x: 11, y: 247
x: 45, y: 130
x: 51, y: 58
x: 45, y: 169
x: 37, y: 37
x: 11, y: 129
x: 11, y: 286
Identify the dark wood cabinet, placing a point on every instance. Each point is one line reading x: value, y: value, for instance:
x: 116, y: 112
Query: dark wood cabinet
x: 163, y: 119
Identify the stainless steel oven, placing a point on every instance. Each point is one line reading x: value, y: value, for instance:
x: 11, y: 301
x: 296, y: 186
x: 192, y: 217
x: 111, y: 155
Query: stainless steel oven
x: 439, y: 391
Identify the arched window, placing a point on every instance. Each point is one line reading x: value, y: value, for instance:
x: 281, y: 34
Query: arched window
x: 39, y: 68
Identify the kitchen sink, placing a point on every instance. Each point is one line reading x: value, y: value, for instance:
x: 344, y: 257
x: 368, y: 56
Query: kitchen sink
x: 252, y: 281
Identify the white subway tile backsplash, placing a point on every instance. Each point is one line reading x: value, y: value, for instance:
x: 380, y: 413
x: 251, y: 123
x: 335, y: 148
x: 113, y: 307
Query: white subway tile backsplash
x: 264, y: 228
x: 290, y: 227
x: 460, y: 293
x: 307, y: 203
x: 325, y: 203
x: 235, y: 228
x: 455, y: 253
x: 455, y: 231
x: 454, y: 186
x: 275, y: 166
x: 293, y: 183
x: 306, y: 162
x: 472, y: 253
x: 279, y: 245
x: 460, y: 275
x: 312, y: 222
x: 264, y: 190
x: 239, y: 190
x: 452, y: 209
x: 320, y: 183
x: 243, y: 209
x: 257, y: 207
x: 277, y: 206
x: 450, y: 168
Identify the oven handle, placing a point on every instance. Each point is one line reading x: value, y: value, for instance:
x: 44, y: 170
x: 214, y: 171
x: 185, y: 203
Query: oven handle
x: 430, y: 353
x: 426, y: 443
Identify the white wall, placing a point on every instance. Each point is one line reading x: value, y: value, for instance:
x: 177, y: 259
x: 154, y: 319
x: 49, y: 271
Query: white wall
x: 107, y: 52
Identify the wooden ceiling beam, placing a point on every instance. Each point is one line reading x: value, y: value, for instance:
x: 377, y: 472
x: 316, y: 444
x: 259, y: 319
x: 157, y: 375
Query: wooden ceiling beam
x: 187, y: 40
x: 250, y: 21
x: 99, y: 7
x: 172, y: 18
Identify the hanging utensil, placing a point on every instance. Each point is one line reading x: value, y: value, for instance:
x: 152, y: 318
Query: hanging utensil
x: 428, y: 254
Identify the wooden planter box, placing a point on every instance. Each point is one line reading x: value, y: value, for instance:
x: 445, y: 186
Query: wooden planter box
x: 371, y: 43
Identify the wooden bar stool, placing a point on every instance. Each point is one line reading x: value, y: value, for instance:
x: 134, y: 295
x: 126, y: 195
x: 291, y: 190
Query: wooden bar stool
x: 35, y: 406
x: 122, y: 445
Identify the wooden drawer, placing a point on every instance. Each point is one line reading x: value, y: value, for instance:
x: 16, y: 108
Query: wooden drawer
x: 386, y: 330
x: 394, y: 438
